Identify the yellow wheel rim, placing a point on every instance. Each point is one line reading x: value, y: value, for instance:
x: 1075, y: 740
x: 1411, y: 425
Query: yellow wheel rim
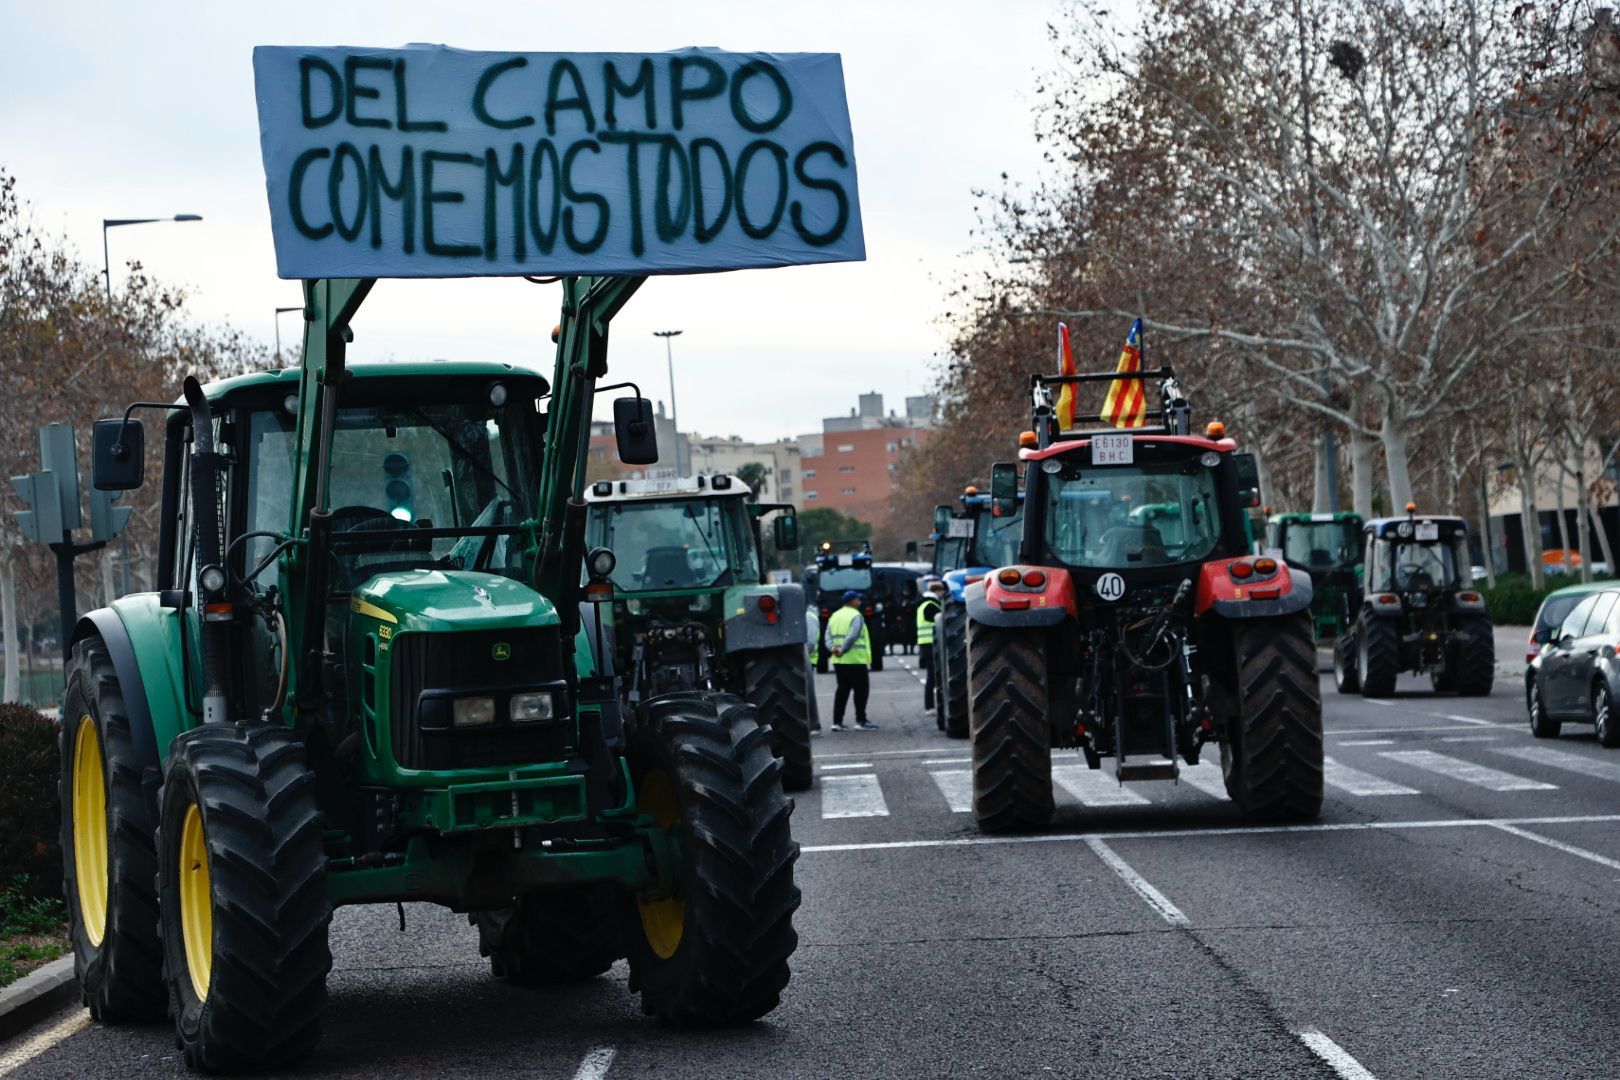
x: 90, y: 831
x: 196, y: 903
x: 663, y: 920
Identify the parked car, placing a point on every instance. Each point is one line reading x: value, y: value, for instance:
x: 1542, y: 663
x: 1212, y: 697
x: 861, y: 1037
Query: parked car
x: 1574, y: 676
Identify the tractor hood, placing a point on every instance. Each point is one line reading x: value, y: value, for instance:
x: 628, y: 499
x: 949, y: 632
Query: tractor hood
x: 451, y: 600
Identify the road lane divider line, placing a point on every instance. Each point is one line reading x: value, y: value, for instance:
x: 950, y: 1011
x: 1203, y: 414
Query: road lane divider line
x: 1139, y: 884
x: 1337, y: 1057
x: 1467, y: 719
x: 596, y: 1064
x: 1183, y: 834
x: 852, y: 796
x: 1356, y: 782
x: 1559, y: 845
x: 1457, y: 769
x: 957, y: 787
x: 20, y: 1055
x: 951, y: 761
x: 1368, y: 742
x: 1397, y: 730
x: 846, y: 765
x: 1563, y: 759
x: 1093, y: 787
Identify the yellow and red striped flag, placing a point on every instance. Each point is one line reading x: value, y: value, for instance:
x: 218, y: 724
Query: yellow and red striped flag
x: 1066, y: 395
x: 1126, y: 403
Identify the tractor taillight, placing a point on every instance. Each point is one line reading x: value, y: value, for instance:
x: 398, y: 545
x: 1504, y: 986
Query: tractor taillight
x: 1469, y: 597
x: 1388, y: 598
x: 767, y: 606
x: 1241, y: 570
x: 1265, y: 566
x: 1009, y: 576
x: 599, y: 592
x: 1014, y: 605
x: 1034, y: 579
x: 825, y: 612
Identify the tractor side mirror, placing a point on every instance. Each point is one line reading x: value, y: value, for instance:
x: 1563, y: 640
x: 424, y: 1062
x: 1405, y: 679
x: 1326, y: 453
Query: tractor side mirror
x: 786, y: 529
x: 1004, y: 489
x: 942, y: 520
x: 1248, y: 478
x: 634, y: 432
x: 117, y: 454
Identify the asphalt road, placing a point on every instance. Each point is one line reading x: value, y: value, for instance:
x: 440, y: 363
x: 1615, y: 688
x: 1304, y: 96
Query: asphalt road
x: 1453, y: 914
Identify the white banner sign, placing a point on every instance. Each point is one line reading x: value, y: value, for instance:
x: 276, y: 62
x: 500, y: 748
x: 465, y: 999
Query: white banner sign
x: 428, y: 161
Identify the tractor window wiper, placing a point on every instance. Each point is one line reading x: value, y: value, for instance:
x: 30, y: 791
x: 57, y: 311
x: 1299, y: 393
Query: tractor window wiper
x: 461, y: 451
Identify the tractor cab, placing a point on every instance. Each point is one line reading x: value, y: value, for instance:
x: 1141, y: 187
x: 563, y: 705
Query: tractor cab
x: 670, y: 537
x: 1329, y: 548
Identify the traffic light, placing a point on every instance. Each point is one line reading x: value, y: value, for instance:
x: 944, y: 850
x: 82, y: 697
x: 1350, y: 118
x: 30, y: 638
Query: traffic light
x: 42, y: 521
x: 107, y: 519
x: 398, y: 489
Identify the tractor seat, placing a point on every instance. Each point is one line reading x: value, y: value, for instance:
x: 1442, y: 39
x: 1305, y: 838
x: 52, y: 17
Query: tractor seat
x: 666, y: 566
x: 1321, y: 557
x: 1132, y: 543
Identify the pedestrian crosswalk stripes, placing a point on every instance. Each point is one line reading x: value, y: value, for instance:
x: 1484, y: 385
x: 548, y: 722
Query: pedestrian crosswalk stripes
x: 1095, y: 787
x: 852, y: 796
x: 957, y: 787
x: 1466, y: 771
x: 1355, y: 782
x: 1563, y: 759
x: 1206, y: 776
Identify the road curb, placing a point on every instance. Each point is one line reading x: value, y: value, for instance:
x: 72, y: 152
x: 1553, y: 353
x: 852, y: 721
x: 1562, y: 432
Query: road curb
x: 36, y: 995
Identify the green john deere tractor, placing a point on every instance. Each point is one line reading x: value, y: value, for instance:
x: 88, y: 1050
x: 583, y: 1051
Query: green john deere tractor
x: 1328, y: 548
x: 373, y: 671
x: 692, y: 610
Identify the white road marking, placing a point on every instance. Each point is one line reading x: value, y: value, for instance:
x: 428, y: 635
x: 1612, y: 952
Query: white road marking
x: 848, y: 765
x: 1093, y: 787
x: 1394, y: 730
x: 1139, y: 884
x: 1378, y: 701
x: 1206, y: 777
x: 1183, y: 834
x: 19, y: 1056
x: 596, y: 1063
x: 1567, y: 849
x: 957, y: 787
x: 951, y: 761
x: 1466, y: 719
x: 878, y: 753
x: 852, y: 796
x: 1563, y: 759
x: 1356, y: 782
x: 1457, y: 769
x: 1368, y: 742
x: 1334, y: 1054
x: 1469, y: 738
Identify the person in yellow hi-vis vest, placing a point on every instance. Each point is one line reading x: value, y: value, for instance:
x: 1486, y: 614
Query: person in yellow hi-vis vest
x: 851, y: 648
x: 928, y: 609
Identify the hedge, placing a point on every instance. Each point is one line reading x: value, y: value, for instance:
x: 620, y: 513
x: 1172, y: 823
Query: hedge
x: 30, y: 817
x: 1514, y: 603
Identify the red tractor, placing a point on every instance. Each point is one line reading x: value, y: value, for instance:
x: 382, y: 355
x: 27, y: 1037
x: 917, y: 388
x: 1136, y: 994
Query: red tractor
x: 1137, y: 624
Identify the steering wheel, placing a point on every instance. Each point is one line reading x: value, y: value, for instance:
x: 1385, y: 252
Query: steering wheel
x: 1415, y: 576
x: 346, y: 519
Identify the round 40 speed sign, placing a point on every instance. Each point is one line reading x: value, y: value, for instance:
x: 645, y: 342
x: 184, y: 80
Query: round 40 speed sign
x: 1110, y: 587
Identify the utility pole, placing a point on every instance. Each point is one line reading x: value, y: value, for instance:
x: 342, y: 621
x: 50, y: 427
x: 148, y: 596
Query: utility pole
x: 674, y: 420
x: 1330, y: 452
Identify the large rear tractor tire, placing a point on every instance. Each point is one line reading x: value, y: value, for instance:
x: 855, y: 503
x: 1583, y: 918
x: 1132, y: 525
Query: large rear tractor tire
x: 953, y: 684
x: 1012, y: 735
x: 1475, y: 656
x: 242, y: 883
x: 713, y: 948
x: 553, y: 937
x: 774, y: 682
x: 109, y: 860
x: 1272, y: 756
x: 1378, y: 656
x: 1346, y: 677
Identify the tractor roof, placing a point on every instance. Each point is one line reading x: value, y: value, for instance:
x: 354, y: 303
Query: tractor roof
x: 1450, y: 525
x: 403, y: 369
x: 719, y: 485
x: 1064, y: 446
x: 1316, y: 518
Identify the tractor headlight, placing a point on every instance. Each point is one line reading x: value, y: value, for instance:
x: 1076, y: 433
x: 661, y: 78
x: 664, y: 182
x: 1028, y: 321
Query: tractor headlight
x: 600, y: 563
x: 212, y: 578
x: 472, y: 712
x: 532, y: 708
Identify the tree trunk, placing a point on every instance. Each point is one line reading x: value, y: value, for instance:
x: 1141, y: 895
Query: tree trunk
x: 8, y: 615
x: 1319, y: 500
x: 1593, y: 510
x: 1392, y: 434
x: 1530, y: 520
x: 1563, y: 523
x: 1485, y: 546
x: 109, y: 581
x: 1267, y: 495
x: 1583, y: 529
x: 1361, y: 472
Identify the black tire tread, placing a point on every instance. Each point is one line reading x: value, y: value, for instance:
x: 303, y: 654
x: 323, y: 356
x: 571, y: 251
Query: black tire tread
x: 952, y: 643
x: 1383, y: 654
x: 1475, y: 673
x: 1346, y: 678
x: 1275, y: 764
x: 775, y: 682
x: 1011, y: 730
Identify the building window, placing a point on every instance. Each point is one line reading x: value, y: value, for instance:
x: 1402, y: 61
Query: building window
x: 846, y: 468
x: 846, y: 448
x: 893, y: 468
x: 846, y: 491
x: 809, y: 496
x: 890, y: 447
x: 809, y: 474
x: 784, y: 475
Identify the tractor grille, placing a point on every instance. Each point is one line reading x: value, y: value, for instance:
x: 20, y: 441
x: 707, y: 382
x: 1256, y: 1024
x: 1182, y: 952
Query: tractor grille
x: 429, y: 669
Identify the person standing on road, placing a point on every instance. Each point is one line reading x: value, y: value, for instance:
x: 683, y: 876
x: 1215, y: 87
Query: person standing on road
x: 851, y: 648
x: 928, y: 610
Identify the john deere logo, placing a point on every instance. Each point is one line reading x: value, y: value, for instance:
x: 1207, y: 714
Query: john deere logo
x: 501, y: 651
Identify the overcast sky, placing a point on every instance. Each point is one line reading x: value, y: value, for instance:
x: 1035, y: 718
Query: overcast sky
x: 137, y: 110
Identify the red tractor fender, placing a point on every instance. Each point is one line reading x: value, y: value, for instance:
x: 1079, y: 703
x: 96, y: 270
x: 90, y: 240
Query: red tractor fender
x: 1253, y: 594
x: 1042, y: 596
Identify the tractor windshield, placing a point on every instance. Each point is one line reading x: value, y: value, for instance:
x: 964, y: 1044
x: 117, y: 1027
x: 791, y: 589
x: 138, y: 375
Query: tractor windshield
x: 678, y: 544
x: 1321, y: 545
x: 996, y: 539
x: 1413, y: 565
x: 1127, y: 517
x: 396, y: 469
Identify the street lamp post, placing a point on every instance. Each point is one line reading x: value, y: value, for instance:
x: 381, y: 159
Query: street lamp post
x: 280, y: 311
x: 113, y: 223
x: 674, y: 421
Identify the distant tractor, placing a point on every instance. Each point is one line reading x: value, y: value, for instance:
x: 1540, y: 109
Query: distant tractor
x: 973, y: 540
x: 1135, y: 623
x: 691, y: 607
x: 836, y: 572
x: 1421, y: 612
x: 1328, y: 548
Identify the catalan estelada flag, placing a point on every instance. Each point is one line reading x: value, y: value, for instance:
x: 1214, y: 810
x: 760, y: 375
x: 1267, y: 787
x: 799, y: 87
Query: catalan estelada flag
x: 1126, y: 403
x: 1066, y: 395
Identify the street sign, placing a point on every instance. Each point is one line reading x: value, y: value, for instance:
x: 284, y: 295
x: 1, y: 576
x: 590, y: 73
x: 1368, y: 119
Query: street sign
x: 59, y: 456
x: 42, y: 522
x: 427, y: 161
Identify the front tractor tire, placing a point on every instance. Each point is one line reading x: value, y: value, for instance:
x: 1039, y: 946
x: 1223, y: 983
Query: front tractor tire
x: 1378, y: 656
x: 713, y: 949
x: 1272, y: 756
x: 776, y: 684
x: 109, y: 861
x: 563, y: 936
x: 953, y: 683
x: 242, y: 883
x: 1011, y: 730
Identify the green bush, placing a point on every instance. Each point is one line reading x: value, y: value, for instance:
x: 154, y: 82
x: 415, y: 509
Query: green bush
x: 30, y: 817
x: 1514, y: 602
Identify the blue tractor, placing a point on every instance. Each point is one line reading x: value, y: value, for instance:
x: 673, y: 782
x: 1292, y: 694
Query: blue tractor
x: 970, y: 542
